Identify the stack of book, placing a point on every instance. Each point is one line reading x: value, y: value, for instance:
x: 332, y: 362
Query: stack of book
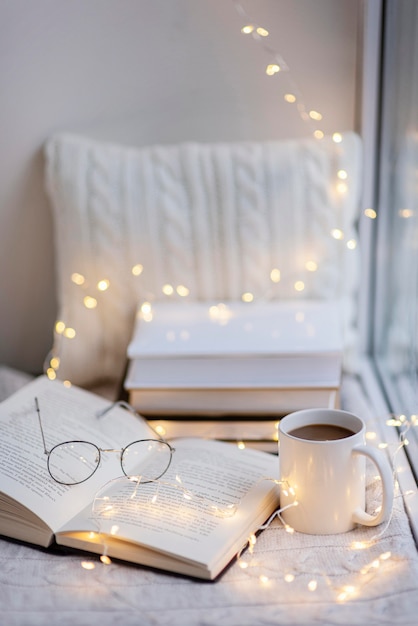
x: 230, y: 370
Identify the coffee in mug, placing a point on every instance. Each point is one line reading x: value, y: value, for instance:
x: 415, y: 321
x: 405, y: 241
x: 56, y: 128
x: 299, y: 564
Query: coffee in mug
x: 322, y: 460
x: 321, y: 432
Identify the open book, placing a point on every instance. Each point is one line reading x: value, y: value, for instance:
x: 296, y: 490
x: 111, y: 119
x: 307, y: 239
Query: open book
x: 193, y: 520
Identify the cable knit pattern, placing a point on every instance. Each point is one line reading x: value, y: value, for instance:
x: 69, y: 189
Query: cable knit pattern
x: 214, y: 218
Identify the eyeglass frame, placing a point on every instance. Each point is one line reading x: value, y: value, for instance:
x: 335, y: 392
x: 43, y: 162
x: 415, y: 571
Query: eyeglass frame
x: 123, y: 404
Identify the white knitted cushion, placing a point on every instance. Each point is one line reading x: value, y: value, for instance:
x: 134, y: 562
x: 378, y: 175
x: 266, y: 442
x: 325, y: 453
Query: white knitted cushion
x: 213, y: 218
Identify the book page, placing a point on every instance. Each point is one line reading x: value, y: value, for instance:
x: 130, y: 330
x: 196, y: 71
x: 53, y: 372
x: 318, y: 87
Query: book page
x: 203, y: 505
x: 67, y: 414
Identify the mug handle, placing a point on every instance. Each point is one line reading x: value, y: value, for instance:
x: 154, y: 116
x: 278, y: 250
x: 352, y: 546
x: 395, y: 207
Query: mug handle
x: 383, y: 467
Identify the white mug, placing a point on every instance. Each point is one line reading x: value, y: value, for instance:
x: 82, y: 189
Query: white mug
x: 322, y: 460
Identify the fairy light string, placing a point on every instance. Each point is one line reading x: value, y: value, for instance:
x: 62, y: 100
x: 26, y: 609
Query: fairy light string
x: 91, y: 297
x: 91, y: 293
x: 373, y: 566
x: 247, y: 556
x: 277, y: 65
x: 374, y: 562
x: 112, y: 502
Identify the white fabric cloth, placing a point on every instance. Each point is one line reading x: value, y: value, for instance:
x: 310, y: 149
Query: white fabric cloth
x: 213, y: 218
x: 39, y: 587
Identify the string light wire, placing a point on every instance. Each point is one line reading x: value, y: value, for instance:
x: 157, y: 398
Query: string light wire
x: 294, y: 95
x: 277, y: 65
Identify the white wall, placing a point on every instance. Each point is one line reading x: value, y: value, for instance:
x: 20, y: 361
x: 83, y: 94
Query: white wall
x: 142, y: 72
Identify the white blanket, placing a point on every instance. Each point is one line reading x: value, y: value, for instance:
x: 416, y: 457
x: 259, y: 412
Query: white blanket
x: 311, y: 579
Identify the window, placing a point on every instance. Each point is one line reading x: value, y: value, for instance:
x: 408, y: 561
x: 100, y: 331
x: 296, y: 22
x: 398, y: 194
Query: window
x: 395, y: 330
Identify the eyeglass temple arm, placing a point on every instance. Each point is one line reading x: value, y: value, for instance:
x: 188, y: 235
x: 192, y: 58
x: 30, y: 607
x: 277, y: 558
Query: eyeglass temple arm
x: 131, y: 409
x: 40, y: 425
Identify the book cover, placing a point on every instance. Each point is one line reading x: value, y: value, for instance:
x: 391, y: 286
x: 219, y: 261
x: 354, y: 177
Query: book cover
x: 196, y: 329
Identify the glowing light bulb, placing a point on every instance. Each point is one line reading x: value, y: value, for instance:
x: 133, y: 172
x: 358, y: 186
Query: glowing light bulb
x: 351, y: 244
x: 311, y: 266
x: 263, y: 32
x: 87, y: 565
x: 168, y: 290
x: 105, y: 559
x: 342, y: 188
x: 51, y: 374
x: 312, y: 585
x: 247, y: 29
x: 289, y: 97
x: 393, y: 422
x: 299, y: 285
x: 318, y: 134
x: 406, y: 213
x: 69, y: 333
x: 146, y: 308
x: 275, y: 275
x: 103, y: 284
x: 241, y: 445
x: 137, y: 269
x: 247, y: 297
x: 55, y: 362
x: 315, y: 115
x: 90, y: 302
x: 272, y: 69
x: 59, y: 327
x: 77, y: 279
x: 289, y: 578
x: 182, y: 291
x: 337, y: 233
x: 342, y: 174
x: 337, y: 137
x: 371, y: 213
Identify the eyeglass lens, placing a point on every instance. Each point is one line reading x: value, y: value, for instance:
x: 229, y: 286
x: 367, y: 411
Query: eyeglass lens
x: 73, y: 462
x: 147, y: 459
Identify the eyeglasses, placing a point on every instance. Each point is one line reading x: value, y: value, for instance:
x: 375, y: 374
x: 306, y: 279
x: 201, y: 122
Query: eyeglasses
x: 74, y: 462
